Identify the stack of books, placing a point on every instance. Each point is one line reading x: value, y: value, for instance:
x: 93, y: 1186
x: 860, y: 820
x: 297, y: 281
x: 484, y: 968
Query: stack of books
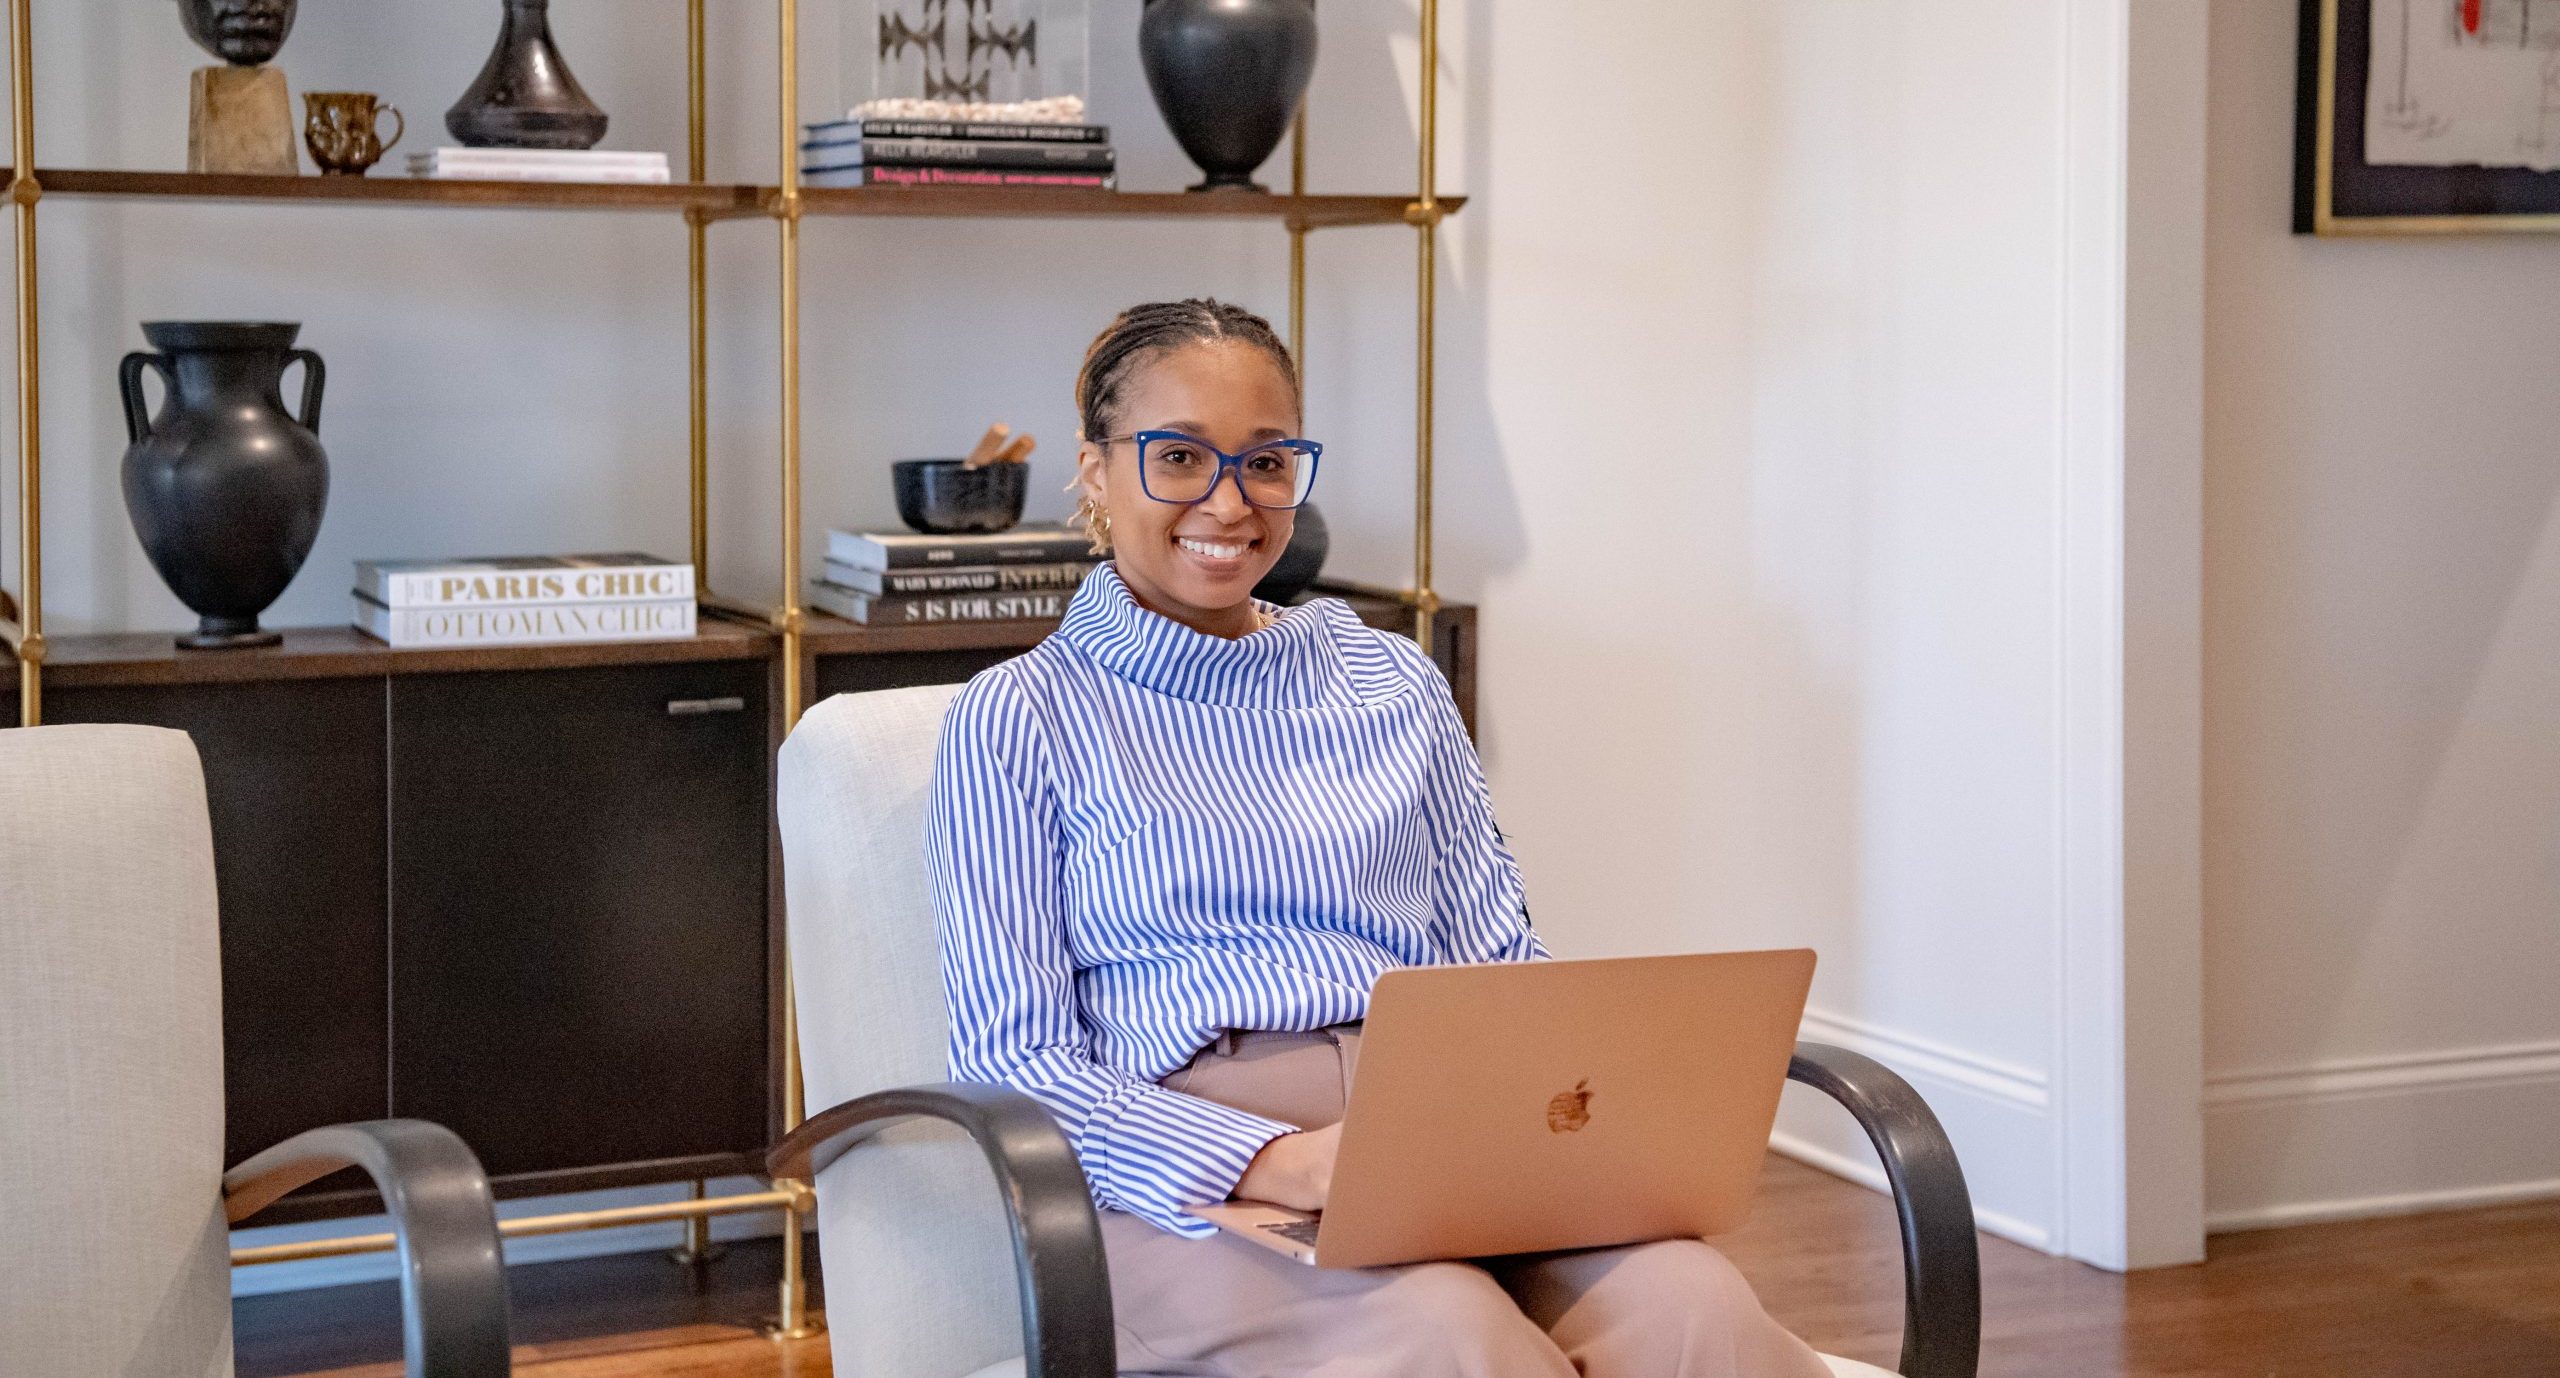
x: 524, y: 600
x: 537, y: 165
x: 957, y: 153
x: 894, y: 578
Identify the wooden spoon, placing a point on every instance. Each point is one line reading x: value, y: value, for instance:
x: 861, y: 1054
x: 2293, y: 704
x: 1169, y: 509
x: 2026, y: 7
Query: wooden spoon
x: 989, y: 446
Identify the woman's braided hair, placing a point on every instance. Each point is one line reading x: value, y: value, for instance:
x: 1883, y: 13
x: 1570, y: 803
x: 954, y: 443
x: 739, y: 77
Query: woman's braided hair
x: 1142, y: 331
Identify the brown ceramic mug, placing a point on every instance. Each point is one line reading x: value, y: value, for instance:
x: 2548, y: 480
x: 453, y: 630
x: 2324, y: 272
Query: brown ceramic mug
x: 343, y: 130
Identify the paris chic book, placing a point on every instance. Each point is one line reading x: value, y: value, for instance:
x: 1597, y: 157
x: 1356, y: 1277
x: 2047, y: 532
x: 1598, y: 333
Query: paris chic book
x: 523, y: 579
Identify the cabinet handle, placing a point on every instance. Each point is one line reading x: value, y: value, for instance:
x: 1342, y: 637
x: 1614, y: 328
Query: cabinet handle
x: 695, y: 708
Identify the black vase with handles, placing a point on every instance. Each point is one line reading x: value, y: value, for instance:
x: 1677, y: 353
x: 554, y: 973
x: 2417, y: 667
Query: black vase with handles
x: 1228, y: 75
x: 525, y: 97
x: 225, y: 487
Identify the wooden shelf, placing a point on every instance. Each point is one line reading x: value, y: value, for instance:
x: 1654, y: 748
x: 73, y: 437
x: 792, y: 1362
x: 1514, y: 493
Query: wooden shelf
x: 139, y: 658
x: 834, y: 636
x: 730, y: 200
x: 831, y: 636
x: 153, y: 658
x: 718, y: 198
x: 1314, y: 212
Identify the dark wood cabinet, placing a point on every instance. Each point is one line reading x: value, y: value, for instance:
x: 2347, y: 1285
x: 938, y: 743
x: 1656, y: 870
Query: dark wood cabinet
x: 857, y: 674
x: 579, y: 914
x: 526, y: 892
x: 294, y: 774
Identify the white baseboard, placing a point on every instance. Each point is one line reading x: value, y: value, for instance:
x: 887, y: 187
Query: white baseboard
x: 2320, y: 1212
x: 306, y: 1274
x: 2355, y: 1138
x: 1868, y: 1173
x: 1999, y: 1116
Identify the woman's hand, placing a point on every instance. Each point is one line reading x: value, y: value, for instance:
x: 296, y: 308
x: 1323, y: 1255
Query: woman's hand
x: 1294, y: 1170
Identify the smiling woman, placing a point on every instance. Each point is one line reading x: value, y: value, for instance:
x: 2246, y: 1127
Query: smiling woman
x: 1173, y: 847
x: 1177, y: 399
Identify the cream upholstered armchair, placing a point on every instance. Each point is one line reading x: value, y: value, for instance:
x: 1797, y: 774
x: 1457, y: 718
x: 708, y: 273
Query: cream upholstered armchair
x: 932, y: 1275
x: 115, y: 1260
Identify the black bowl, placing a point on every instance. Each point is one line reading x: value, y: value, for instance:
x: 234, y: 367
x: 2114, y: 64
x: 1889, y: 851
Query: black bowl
x: 939, y: 497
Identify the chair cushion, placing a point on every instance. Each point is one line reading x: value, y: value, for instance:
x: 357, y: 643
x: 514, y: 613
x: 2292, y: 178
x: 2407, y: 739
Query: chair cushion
x: 111, y: 1013
x: 919, y: 1265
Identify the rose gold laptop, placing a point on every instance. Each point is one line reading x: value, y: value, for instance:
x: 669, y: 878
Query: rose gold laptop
x: 1527, y: 1106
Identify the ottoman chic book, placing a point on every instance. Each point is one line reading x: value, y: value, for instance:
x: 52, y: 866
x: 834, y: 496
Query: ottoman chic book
x: 525, y: 624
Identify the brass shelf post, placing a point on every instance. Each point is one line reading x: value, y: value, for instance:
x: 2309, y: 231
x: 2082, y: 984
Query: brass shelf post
x: 24, y: 192
x: 697, y: 230
x: 795, y: 1321
x: 1426, y: 215
x: 698, y: 1250
x: 1298, y: 246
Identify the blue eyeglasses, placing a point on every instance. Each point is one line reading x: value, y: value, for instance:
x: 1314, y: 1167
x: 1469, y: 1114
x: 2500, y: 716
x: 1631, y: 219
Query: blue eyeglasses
x: 1184, y: 469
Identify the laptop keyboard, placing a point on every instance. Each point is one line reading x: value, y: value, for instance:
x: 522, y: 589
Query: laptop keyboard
x: 1296, y: 1231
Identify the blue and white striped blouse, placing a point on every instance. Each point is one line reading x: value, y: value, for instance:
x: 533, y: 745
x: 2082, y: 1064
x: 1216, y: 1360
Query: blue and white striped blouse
x: 1140, y: 835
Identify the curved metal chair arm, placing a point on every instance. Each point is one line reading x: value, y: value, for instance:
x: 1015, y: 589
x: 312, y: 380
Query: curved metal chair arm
x: 1941, y: 1259
x: 453, y: 1285
x: 1057, y: 1239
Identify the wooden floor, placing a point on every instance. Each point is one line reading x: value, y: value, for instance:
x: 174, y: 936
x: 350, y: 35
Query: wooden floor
x: 2473, y: 1294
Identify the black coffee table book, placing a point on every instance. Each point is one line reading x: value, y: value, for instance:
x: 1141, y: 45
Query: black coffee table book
x: 1028, y: 544
x: 904, y: 578
x: 910, y: 153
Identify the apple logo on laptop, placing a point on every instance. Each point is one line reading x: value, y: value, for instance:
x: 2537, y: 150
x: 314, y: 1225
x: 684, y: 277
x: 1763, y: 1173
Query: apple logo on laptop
x: 1570, y: 1110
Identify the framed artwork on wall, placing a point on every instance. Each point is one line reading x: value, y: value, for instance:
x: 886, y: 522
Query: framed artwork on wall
x: 2427, y: 117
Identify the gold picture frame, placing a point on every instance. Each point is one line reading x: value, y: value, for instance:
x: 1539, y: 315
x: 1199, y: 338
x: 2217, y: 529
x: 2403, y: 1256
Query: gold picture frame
x: 2336, y: 193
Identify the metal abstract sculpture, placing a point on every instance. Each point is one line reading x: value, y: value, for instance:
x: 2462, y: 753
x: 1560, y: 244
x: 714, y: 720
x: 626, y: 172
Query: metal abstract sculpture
x: 926, y: 37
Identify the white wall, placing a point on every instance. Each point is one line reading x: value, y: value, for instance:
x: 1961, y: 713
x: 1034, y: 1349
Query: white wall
x: 2382, y: 780
x: 1783, y: 357
x: 1776, y: 419
x: 1786, y: 398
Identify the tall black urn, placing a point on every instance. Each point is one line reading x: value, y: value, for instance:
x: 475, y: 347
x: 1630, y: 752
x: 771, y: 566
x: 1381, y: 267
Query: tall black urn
x: 1228, y: 75
x: 225, y: 487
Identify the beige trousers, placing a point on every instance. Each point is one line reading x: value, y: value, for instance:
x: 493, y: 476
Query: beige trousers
x: 1223, y: 1307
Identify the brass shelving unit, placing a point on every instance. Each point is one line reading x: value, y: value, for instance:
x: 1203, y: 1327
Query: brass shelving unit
x: 702, y: 204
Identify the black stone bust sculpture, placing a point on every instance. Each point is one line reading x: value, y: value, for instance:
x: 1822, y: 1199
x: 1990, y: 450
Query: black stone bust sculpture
x: 244, y: 33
